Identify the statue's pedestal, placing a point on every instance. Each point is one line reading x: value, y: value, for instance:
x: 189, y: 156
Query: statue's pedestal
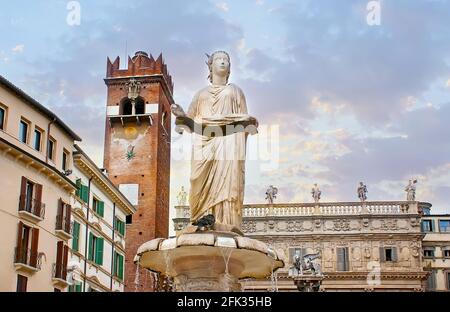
x: 208, y: 261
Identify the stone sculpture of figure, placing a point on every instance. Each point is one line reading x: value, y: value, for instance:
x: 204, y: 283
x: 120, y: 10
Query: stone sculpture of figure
x: 362, y: 192
x: 411, y: 190
x: 316, y: 192
x: 271, y: 194
x: 181, y: 197
x: 305, y: 264
x: 218, y: 161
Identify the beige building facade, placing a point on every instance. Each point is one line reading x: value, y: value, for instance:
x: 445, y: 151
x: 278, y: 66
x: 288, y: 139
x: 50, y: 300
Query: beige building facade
x: 375, y: 246
x: 35, y: 159
x: 436, y: 251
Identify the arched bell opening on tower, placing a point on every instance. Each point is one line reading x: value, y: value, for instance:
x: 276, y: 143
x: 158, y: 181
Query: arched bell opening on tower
x: 126, y: 107
x: 140, y: 106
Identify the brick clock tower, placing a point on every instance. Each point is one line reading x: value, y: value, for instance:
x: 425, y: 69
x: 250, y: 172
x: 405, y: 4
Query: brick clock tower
x: 137, y: 151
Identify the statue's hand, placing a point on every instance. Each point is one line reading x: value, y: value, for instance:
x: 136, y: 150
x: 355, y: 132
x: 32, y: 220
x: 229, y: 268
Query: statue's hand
x: 177, y: 110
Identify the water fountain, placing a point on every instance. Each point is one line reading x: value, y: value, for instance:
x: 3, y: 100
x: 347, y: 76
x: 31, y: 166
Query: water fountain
x: 209, y: 261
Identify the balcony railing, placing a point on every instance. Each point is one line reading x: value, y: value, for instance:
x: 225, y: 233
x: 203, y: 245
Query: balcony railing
x: 332, y: 208
x: 63, y: 225
x: 59, y: 271
x: 27, y: 257
x: 32, y: 206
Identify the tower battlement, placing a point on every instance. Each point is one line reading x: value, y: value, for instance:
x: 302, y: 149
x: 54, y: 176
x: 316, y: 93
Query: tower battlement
x: 141, y: 64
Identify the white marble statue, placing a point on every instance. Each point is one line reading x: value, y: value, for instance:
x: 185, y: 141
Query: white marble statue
x: 411, y: 190
x: 362, y: 192
x: 316, y: 192
x: 218, y: 160
x: 181, y: 197
x: 271, y: 194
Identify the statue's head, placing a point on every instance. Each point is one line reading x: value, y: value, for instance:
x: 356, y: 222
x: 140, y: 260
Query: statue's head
x: 219, y: 64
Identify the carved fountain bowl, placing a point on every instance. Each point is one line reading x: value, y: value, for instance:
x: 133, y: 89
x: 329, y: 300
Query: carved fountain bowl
x: 201, y: 261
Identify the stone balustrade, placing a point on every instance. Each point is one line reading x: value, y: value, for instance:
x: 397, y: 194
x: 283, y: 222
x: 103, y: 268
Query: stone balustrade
x: 323, y: 209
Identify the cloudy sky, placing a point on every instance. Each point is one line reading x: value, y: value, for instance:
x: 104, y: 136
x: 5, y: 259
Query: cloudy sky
x: 350, y: 101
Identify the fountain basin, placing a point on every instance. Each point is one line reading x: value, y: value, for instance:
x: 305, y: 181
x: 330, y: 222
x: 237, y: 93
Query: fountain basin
x: 208, y: 261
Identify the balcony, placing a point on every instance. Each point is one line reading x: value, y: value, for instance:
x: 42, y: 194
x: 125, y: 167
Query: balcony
x: 26, y: 260
x: 31, y: 209
x: 63, y: 228
x: 59, y: 275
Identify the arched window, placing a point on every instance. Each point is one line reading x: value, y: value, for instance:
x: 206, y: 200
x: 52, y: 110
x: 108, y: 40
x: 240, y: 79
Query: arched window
x: 140, y: 106
x: 125, y: 107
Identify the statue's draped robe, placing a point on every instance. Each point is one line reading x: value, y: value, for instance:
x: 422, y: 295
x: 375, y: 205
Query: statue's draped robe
x: 218, y: 163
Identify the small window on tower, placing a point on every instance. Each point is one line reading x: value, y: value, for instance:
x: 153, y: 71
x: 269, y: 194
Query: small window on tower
x: 129, y: 219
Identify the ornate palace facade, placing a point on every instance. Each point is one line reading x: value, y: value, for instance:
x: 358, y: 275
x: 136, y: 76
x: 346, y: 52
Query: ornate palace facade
x: 375, y: 246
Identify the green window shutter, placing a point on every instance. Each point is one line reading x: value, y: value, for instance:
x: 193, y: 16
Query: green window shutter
x: 91, y: 247
x: 75, y: 236
x: 78, y: 287
x: 101, y: 209
x: 114, y: 271
x: 78, y: 191
x: 99, y: 251
x: 120, y: 267
x: 84, y: 193
x: 122, y: 228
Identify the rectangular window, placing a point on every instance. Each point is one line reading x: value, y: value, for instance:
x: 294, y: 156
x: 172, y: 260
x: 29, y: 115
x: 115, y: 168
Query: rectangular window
x: 98, y: 206
x: 65, y: 158
x: 296, y: 252
x: 23, y: 249
x: 118, y: 265
x: 342, y: 259
x: 51, y: 148
x: 82, y: 191
x: 444, y: 225
x: 431, y: 281
x: 29, y: 196
x: 23, y: 131
x: 388, y: 254
x: 446, y: 253
x: 63, y: 216
x: 2, y: 118
x: 119, y: 226
x: 447, y: 274
x: 27, y: 245
x: 76, y: 236
x: 77, y: 287
x: 428, y: 252
x: 21, y: 283
x: 95, y: 249
x: 37, y: 141
x: 427, y: 225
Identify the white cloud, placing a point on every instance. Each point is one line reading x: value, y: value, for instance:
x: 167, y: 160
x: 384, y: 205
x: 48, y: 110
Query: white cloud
x: 223, y: 6
x: 448, y: 83
x: 18, y: 48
